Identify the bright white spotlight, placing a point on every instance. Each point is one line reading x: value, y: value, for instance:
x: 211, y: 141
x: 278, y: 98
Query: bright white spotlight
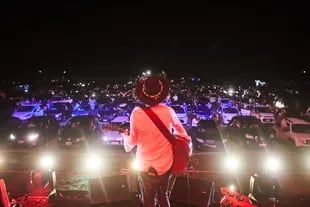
x: 272, y: 164
x: 232, y: 188
x: 232, y: 163
x: 47, y: 162
x: 93, y: 162
x: 1, y: 160
x: 135, y: 165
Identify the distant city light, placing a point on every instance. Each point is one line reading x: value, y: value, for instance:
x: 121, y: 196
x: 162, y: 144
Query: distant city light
x: 148, y: 72
x: 231, y: 91
x: 259, y: 83
x: 279, y: 104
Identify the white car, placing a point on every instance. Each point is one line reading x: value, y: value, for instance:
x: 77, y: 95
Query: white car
x: 264, y: 114
x: 181, y: 113
x: 295, y: 131
x: 28, y: 110
x: 227, y: 113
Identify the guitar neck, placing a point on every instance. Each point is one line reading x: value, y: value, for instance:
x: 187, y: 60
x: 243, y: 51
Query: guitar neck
x: 113, y: 127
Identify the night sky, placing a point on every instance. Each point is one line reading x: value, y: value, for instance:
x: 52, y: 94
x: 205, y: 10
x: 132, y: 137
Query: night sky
x: 260, y: 39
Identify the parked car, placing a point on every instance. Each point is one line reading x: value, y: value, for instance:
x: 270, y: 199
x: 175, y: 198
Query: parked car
x: 106, y: 112
x: 207, y: 136
x: 82, y: 110
x: 36, y: 131
x: 295, y: 131
x: 248, y: 132
x: 7, y: 126
x: 27, y: 110
x: 202, y: 112
x: 264, y: 114
x: 227, y: 113
x: 80, y: 131
x: 60, y: 110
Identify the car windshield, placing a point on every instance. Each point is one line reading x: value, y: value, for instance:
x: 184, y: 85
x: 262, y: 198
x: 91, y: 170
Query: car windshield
x: 225, y: 101
x: 263, y: 109
x: 84, y: 108
x: 178, y: 109
x: 25, y: 109
x: 203, y: 110
x: 56, y: 107
x: 230, y: 110
x: 301, y: 128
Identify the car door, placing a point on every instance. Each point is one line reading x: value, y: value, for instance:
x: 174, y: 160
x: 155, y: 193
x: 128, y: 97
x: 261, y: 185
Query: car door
x: 38, y: 111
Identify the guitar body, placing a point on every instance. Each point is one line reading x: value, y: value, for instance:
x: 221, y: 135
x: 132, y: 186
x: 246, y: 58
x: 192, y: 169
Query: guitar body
x: 181, y: 155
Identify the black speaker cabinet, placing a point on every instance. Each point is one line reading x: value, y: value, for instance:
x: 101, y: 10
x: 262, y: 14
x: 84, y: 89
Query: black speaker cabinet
x: 108, y: 189
x: 191, y: 192
x: 264, y: 186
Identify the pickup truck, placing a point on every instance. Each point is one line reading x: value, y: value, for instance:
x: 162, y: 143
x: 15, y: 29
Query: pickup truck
x: 295, y: 131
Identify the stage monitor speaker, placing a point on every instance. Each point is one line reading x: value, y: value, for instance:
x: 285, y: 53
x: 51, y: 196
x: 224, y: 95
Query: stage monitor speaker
x: 42, y: 183
x: 264, y: 186
x: 108, y: 189
x: 192, y: 192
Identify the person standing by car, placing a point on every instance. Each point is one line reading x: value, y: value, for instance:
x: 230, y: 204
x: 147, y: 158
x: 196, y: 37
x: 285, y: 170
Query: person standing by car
x: 154, y: 154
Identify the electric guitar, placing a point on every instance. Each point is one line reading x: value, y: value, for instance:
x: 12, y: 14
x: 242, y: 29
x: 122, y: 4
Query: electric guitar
x: 115, y: 127
x: 114, y: 133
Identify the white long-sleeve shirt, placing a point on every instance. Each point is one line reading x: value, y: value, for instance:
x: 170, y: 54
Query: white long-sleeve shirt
x: 153, y: 148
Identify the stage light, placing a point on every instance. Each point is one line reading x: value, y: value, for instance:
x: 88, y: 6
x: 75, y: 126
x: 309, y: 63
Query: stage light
x: 232, y: 188
x: 1, y: 160
x: 232, y: 163
x: 93, y: 162
x: 135, y: 165
x: 272, y: 164
x: 47, y: 161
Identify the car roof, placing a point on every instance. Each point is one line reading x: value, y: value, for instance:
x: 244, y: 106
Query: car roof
x: 121, y: 119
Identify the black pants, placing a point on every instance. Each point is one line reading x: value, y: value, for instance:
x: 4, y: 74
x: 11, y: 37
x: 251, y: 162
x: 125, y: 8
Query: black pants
x: 154, y: 189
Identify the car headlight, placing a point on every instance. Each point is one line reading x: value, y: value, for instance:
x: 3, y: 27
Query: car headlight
x: 32, y: 137
x: 12, y: 137
x: 93, y: 162
x: 105, y: 138
x: 57, y: 116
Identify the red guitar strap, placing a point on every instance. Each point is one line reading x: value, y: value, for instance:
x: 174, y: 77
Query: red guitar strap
x: 159, y: 124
